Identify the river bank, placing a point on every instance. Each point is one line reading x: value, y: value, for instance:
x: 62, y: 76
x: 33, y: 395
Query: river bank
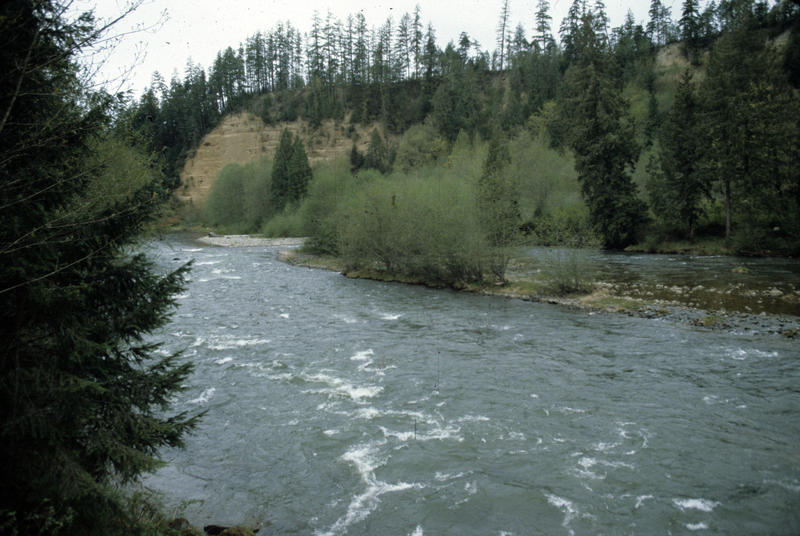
x: 665, y: 302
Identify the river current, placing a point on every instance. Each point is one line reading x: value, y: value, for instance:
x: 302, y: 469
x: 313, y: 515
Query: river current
x: 338, y: 406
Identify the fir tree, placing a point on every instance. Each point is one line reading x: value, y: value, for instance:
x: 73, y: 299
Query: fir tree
x: 299, y: 171
x: 291, y: 171
x: 678, y: 183
x: 83, y: 395
x: 603, y: 141
x: 279, y: 190
x: 377, y: 156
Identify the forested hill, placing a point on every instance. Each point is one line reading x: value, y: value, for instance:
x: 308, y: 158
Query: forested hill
x: 674, y: 127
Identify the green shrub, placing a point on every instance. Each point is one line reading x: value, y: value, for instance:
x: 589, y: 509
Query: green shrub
x: 567, y: 272
x: 239, y: 199
x: 418, y: 226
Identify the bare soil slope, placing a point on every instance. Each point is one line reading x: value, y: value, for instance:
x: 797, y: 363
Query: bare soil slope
x: 243, y: 137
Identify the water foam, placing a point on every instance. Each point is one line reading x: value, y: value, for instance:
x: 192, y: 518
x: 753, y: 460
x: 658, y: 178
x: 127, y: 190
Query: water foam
x: 231, y: 343
x: 365, y: 459
x: 696, y: 526
x: 704, y: 505
x: 341, y: 387
x: 566, y: 506
x: 204, y: 397
x: 223, y: 360
x: 364, y: 355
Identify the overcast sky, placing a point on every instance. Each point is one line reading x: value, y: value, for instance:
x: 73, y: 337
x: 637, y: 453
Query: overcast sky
x: 182, y: 29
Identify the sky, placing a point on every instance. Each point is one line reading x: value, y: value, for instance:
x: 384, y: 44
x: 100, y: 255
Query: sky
x: 162, y: 35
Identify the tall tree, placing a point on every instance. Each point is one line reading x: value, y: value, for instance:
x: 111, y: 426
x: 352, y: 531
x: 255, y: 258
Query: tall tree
x: 569, y: 29
x: 749, y: 122
x: 543, y: 35
x: 503, y: 28
x: 291, y: 172
x: 678, y: 181
x: 602, y: 139
x: 416, y: 40
x: 498, y: 204
x: 280, y: 188
x: 690, y: 30
x: 83, y: 395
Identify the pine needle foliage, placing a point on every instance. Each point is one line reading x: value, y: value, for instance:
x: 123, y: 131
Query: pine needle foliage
x: 84, y: 394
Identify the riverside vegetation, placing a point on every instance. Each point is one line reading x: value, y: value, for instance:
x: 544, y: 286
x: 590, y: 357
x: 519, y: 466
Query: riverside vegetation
x: 594, y: 139
x: 673, y: 136
x: 619, y: 138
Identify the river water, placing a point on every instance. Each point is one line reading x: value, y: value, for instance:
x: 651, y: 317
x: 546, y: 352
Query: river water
x: 340, y: 406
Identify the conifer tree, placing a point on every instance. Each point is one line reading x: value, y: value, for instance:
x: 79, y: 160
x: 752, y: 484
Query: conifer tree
x: 594, y: 111
x: 84, y: 395
x: 299, y: 171
x: 279, y: 190
x: 678, y: 182
x: 690, y: 30
x: 377, y: 156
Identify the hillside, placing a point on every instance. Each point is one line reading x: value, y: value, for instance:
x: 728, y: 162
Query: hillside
x: 242, y: 137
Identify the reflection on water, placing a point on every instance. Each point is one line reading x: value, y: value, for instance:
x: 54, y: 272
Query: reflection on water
x: 353, y: 407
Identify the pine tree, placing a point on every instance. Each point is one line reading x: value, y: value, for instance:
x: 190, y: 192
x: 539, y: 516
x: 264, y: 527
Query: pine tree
x: 678, y: 182
x: 749, y: 113
x: 280, y: 188
x: 690, y: 30
x: 377, y: 156
x: 594, y: 111
x: 503, y: 28
x: 542, y: 28
x: 84, y: 395
x: 299, y: 171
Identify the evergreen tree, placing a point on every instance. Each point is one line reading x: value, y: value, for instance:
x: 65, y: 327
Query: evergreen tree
x: 678, y: 183
x: 503, y: 28
x: 749, y: 122
x: 83, y: 395
x: 299, y: 171
x: 291, y: 172
x: 377, y: 156
x: 543, y: 36
x: 594, y: 111
x: 281, y: 185
x: 690, y: 30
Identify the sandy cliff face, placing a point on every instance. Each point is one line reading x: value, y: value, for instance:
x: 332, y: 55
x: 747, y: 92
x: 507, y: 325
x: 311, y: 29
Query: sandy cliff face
x: 243, y: 137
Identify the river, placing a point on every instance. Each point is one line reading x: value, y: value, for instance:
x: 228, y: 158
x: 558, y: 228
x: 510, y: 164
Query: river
x: 339, y: 406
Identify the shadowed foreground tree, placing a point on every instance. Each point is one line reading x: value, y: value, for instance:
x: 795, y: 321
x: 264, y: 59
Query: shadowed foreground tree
x: 83, y: 394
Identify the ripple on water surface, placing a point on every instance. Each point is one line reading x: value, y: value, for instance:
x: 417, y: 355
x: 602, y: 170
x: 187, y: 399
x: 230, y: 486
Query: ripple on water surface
x: 338, y: 406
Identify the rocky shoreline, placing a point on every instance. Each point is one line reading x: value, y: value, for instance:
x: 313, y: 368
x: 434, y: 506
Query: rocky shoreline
x: 605, y: 299
x: 242, y: 241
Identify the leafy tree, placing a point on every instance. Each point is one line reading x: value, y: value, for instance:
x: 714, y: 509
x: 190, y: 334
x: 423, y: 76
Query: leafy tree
x: 498, y: 204
x: 83, y: 393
